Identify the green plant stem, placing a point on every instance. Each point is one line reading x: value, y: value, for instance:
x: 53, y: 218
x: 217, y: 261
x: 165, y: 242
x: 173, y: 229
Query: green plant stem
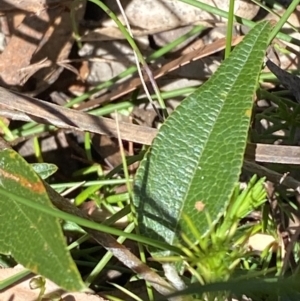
x: 283, y: 19
x: 157, y: 54
x: 229, y: 28
x: 216, y: 11
x: 33, y: 128
x: 13, y: 279
x: 269, y: 10
x: 105, y: 259
x: 90, y: 183
x: 134, y: 47
x: 76, y: 34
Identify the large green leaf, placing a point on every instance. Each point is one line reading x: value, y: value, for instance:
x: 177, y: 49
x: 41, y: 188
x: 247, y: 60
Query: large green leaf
x: 196, y: 158
x: 34, y: 239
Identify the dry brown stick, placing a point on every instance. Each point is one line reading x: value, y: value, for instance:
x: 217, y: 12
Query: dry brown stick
x: 269, y: 153
x: 47, y: 113
x: 30, y: 109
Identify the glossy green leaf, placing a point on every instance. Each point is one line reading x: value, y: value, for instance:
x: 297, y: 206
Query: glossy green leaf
x: 33, y: 238
x: 44, y: 170
x: 196, y: 158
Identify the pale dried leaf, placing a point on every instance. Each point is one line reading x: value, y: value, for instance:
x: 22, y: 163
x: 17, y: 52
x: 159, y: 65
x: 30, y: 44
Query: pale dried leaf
x: 259, y: 242
x: 21, y: 291
x: 148, y: 17
x: 154, y: 14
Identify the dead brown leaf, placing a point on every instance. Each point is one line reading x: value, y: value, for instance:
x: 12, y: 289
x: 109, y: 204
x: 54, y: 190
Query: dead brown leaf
x: 45, y: 35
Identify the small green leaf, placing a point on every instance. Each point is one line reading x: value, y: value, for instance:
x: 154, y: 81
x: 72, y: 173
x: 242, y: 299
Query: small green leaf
x: 44, y: 170
x: 196, y: 158
x: 33, y: 238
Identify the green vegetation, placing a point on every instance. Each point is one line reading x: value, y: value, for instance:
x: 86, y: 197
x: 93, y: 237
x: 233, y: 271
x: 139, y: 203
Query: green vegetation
x: 185, y: 206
